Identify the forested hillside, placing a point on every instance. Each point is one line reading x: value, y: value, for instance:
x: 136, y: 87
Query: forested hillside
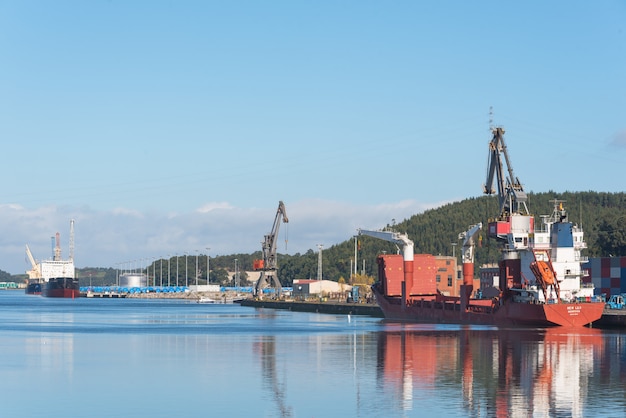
x: 602, y: 215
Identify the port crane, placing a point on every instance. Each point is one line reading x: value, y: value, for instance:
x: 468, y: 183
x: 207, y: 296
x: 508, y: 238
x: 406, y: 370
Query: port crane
x: 268, y: 265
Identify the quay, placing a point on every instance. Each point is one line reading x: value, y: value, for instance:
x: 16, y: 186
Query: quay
x: 91, y: 294
x: 340, y: 308
x: 611, y: 318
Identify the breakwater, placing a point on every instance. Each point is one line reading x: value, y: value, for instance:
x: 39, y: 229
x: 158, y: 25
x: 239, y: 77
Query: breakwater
x: 338, y: 308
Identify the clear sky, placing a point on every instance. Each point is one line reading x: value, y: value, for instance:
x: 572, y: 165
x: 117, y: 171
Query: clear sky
x: 165, y: 127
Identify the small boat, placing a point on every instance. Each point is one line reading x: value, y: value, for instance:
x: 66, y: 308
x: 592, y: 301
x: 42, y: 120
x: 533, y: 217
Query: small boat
x: 206, y: 300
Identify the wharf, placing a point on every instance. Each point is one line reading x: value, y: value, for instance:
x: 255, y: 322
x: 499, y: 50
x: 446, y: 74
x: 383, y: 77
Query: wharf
x: 612, y: 318
x: 91, y: 294
x: 341, y: 308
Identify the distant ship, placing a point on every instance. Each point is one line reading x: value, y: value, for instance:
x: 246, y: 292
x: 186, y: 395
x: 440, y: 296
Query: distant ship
x: 56, y: 277
x: 33, y: 287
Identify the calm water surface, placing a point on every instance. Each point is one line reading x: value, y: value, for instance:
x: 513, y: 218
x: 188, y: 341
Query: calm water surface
x: 166, y: 358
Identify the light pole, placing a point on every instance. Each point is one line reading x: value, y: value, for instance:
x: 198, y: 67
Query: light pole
x: 236, y: 273
x: 176, y: 269
x: 208, y: 270
x: 197, y: 254
x: 161, y: 274
x: 319, y: 263
x: 356, y: 257
x: 186, y: 275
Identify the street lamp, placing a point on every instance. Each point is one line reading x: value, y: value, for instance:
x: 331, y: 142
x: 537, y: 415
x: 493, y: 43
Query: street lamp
x: 197, y: 253
x: 161, y: 274
x: 208, y: 270
x: 186, y: 274
x: 236, y: 272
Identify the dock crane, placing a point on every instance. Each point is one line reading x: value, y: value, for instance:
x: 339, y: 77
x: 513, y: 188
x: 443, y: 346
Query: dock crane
x: 268, y: 264
x: 408, y: 249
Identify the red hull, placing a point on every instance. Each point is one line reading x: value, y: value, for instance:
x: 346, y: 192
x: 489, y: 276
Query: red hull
x: 62, y: 293
x: 447, y: 310
x: 61, y: 287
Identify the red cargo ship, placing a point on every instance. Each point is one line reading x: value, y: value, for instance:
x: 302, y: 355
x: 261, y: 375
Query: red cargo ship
x: 540, y: 274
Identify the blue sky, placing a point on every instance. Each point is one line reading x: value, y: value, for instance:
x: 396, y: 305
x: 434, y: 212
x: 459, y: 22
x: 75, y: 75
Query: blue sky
x: 166, y: 127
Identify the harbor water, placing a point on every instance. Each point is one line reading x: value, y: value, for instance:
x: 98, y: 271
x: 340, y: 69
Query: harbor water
x: 164, y: 358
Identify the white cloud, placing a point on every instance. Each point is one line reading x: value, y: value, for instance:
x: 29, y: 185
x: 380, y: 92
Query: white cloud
x: 105, y: 238
x: 214, y: 206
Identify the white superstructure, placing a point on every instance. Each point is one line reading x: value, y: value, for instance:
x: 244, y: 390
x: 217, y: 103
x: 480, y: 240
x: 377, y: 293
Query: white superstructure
x: 56, y: 267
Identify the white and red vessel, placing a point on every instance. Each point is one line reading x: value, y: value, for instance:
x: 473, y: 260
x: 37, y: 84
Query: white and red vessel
x: 56, y: 277
x: 540, y: 275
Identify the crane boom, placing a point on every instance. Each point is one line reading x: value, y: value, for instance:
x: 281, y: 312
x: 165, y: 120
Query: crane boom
x: 407, y: 255
x: 395, y: 237
x: 33, y: 263
x: 268, y: 264
x: 35, y: 271
x: 511, y: 195
x: 469, y: 242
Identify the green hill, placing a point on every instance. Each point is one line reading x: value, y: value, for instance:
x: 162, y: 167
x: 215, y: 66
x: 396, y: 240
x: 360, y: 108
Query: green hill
x: 602, y: 216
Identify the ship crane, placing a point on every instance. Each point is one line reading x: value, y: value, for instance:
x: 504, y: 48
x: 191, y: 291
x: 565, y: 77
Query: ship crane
x: 35, y: 271
x: 407, y: 253
x: 268, y: 264
x: 467, y: 257
x: 512, y: 198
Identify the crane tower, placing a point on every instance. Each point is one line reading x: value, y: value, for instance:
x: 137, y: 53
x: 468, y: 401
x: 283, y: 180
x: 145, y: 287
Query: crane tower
x: 268, y: 264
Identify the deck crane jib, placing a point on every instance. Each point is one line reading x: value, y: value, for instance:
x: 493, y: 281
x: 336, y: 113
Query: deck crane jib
x: 35, y: 271
x: 514, y: 221
x: 268, y: 264
x: 408, y: 250
x: 467, y: 257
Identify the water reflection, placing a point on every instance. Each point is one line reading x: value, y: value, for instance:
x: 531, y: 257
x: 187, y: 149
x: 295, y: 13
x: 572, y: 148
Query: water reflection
x: 265, y: 348
x: 499, y: 372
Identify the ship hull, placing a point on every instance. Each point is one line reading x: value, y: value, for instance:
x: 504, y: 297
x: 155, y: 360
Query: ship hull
x: 33, y: 289
x: 446, y: 310
x: 61, y: 287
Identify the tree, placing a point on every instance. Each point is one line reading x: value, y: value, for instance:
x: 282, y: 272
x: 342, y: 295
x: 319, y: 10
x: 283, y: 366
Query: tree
x: 612, y: 236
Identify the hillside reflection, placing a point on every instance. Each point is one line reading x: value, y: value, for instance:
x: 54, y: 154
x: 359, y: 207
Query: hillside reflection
x: 498, y: 372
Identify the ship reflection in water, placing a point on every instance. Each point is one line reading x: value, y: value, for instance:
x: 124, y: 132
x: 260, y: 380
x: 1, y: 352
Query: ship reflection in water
x: 499, y: 372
